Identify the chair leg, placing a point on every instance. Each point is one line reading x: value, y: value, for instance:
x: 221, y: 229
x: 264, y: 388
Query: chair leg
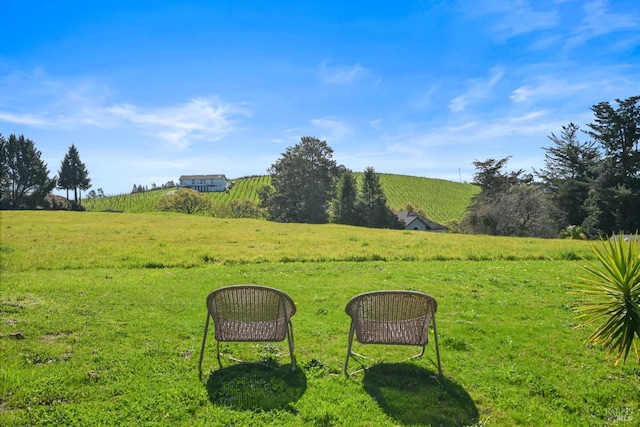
x: 218, y: 354
x: 291, y: 346
x: 204, y: 340
x: 435, y: 339
x: 349, y: 343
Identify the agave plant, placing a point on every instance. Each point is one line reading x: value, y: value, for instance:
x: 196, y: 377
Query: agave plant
x: 612, y: 296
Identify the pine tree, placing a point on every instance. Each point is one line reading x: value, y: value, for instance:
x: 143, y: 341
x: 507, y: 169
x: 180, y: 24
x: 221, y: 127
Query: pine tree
x: 616, y: 193
x: 374, y: 203
x: 346, y: 211
x: 73, y: 174
x: 570, y: 169
x: 25, y: 177
x: 303, y: 183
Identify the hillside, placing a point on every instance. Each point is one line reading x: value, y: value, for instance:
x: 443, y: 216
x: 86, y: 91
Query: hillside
x: 442, y: 200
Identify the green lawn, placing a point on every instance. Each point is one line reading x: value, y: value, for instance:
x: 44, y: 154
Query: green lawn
x: 101, y: 321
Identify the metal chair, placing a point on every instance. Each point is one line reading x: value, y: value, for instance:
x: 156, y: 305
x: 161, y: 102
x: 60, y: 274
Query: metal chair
x: 249, y: 313
x: 392, y: 317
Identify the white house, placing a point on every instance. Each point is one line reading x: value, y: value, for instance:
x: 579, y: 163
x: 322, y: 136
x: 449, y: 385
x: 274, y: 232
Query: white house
x: 413, y: 221
x: 204, y: 183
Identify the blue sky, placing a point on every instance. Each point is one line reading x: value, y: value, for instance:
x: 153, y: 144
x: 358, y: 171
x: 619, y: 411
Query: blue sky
x: 151, y: 90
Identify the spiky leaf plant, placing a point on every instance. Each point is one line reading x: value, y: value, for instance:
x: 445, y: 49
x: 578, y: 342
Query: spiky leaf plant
x: 612, y: 296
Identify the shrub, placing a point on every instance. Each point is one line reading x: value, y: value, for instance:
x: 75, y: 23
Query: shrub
x: 186, y: 201
x: 612, y: 292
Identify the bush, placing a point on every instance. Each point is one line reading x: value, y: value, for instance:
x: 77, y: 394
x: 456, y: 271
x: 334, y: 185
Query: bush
x: 185, y: 201
x: 612, y: 289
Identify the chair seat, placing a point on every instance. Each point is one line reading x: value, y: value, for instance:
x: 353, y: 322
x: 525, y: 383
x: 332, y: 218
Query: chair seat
x: 231, y: 330
x: 249, y: 313
x: 408, y: 332
x: 392, y: 317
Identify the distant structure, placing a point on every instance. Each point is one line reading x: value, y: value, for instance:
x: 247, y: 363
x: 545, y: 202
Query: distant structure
x: 413, y: 221
x: 205, y: 183
x: 625, y: 237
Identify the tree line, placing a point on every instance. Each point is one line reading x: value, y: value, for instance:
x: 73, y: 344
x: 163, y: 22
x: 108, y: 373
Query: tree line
x: 308, y: 186
x: 587, y: 188
x: 24, y: 177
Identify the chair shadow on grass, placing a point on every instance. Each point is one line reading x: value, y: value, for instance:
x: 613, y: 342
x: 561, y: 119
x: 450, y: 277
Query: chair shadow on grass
x: 413, y: 395
x: 252, y: 386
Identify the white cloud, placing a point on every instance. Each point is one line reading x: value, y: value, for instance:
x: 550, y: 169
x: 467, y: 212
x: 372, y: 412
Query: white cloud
x: 203, y: 119
x: 57, y: 104
x: 584, y: 88
x: 598, y: 21
x: 342, y: 74
x: 478, y: 89
x: 513, y: 17
x: 336, y: 130
x: 548, y: 88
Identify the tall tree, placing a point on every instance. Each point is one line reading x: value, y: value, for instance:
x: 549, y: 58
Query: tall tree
x: 509, y: 204
x: 73, y: 174
x: 616, y: 193
x: 303, y: 183
x: 374, y: 203
x: 25, y: 177
x: 345, y: 206
x: 570, y: 169
x: 491, y: 179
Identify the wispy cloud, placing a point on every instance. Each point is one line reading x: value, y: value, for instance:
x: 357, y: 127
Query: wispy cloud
x: 478, y: 89
x: 335, y: 130
x: 513, y: 17
x: 584, y: 87
x: 599, y: 21
x: 200, y: 119
x: 71, y: 104
x: 331, y: 74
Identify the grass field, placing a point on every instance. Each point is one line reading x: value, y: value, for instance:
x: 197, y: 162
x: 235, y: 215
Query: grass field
x: 441, y: 200
x: 102, y: 314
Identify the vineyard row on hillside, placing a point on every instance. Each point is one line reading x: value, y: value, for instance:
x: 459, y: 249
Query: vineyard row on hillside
x: 441, y: 200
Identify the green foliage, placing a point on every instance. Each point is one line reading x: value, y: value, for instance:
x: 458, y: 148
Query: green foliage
x: 344, y: 205
x: 24, y: 179
x: 372, y: 204
x: 605, y: 170
x: 244, y: 208
x: 573, y: 232
x: 509, y: 204
x: 185, y: 201
x: 440, y: 200
x: 570, y: 169
x: 303, y: 181
x: 73, y: 174
x: 612, y: 293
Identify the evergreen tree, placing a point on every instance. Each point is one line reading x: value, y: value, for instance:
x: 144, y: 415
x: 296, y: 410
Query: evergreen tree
x: 346, y: 211
x: 374, y: 203
x: 73, y: 174
x: 303, y: 183
x: 25, y: 178
x: 616, y: 193
x: 509, y: 204
x: 570, y: 170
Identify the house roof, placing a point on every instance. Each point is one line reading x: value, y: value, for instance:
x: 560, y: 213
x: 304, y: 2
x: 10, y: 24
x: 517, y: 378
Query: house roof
x: 183, y: 177
x: 625, y: 237
x: 408, y: 217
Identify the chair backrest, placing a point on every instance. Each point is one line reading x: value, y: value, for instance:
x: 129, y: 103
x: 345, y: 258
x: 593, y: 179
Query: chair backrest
x: 250, y: 313
x: 392, y: 317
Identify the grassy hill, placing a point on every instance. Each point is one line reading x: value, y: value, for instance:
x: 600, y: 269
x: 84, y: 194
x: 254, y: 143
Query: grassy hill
x: 442, y: 200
